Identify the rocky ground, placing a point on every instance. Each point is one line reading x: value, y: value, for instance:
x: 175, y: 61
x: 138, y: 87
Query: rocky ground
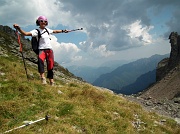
x: 163, y: 97
x: 168, y: 108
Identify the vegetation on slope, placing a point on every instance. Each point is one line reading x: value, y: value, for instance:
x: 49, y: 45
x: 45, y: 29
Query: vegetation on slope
x: 74, y: 106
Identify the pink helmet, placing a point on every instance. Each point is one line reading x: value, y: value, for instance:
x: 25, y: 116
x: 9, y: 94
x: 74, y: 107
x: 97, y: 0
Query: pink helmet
x: 41, y: 18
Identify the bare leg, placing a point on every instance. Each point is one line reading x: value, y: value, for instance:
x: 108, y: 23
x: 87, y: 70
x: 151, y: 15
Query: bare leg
x: 43, y: 79
x: 42, y: 75
x: 51, y: 82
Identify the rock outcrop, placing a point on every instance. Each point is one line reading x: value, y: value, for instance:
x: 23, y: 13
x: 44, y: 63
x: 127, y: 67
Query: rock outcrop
x: 164, y: 96
x: 168, y: 74
x: 166, y: 65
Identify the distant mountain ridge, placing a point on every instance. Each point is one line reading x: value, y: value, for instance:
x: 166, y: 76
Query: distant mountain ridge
x: 128, y: 73
x: 141, y: 83
x: 90, y: 74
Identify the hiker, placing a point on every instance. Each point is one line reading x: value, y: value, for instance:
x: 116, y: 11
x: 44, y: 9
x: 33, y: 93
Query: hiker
x: 44, y: 49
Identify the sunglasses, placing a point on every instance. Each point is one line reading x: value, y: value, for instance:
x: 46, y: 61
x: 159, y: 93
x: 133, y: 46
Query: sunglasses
x: 43, y: 21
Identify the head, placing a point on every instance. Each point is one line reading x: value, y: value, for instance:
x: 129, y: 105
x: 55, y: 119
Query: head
x: 41, y: 19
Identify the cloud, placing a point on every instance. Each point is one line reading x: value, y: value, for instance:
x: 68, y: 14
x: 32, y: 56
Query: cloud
x: 65, y: 52
x: 111, y: 26
x: 104, y: 20
x: 26, y: 12
x: 173, y: 24
x: 100, y: 51
x: 136, y: 30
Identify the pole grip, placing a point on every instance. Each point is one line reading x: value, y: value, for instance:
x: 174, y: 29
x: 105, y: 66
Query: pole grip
x: 47, y: 117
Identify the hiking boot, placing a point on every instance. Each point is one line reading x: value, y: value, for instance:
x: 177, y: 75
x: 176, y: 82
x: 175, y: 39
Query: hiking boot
x: 43, y: 80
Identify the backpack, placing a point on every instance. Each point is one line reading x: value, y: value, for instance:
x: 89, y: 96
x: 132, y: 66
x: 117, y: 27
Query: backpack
x: 35, y: 41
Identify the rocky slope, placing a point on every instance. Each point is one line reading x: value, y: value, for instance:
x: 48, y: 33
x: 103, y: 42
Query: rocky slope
x: 164, y: 96
x: 7, y: 37
x: 168, y: 74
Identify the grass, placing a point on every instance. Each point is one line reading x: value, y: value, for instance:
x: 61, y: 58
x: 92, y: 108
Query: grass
x: 74, y: 107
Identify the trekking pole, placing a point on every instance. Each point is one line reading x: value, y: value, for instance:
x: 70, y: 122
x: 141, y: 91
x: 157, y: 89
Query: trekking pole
x: 27, y: 124
x: 19, y: 41
x: 75, y: 29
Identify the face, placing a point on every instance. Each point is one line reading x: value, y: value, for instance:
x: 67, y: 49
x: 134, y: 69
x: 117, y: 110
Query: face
x: 43, y: 23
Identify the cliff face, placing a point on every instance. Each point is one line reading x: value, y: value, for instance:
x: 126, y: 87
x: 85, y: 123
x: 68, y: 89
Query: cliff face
x: 166, y: 65
x: 174, y: 59
x: 167, y: 73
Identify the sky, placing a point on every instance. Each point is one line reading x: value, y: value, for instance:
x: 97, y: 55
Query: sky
x: 112, y: 29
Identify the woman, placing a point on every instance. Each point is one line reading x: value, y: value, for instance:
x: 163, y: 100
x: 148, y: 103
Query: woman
x: 45, y: 48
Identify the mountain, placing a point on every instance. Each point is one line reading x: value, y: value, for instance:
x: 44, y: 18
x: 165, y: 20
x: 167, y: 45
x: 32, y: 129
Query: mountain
x: 115, y: 63
x: 128, y: 73
x: 164, y: 95
x: 9, y: 41
x: 167, y: 85
x: 90, y: 74
x: 141, y: 83
x: 72, y: 105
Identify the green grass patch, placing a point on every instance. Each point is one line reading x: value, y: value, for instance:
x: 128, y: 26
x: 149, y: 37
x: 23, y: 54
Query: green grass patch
x: 74, y: 107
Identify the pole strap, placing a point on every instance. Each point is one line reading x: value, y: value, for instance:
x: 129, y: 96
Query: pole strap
x: 19, y: 40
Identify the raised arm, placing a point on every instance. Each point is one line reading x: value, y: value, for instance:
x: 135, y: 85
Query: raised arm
x: 16, y: 26
x: 66, y: 31
x: 60, y: 31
